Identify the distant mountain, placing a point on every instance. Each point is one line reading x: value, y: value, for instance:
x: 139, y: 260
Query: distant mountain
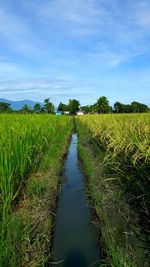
x: 19, y: 104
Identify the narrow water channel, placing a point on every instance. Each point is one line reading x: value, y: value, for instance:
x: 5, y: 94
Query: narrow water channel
x: 75, y: 241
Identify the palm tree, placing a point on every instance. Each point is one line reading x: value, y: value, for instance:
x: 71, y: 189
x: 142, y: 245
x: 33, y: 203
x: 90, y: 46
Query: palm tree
x: 25, y: 109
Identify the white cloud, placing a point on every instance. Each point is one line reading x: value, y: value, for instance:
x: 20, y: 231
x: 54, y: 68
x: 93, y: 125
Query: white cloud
x: 80, y: 16
x: 142, y: 15
x: 16, y: 32
x: 58, y: 89
x: 74, y: 40
x: 45, y: 85
x: 115, y: 25
x: 125, y: 87
x: 9, y: 69
x: 121, y: 32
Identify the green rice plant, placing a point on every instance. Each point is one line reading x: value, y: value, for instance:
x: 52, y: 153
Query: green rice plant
x: 24, y: 140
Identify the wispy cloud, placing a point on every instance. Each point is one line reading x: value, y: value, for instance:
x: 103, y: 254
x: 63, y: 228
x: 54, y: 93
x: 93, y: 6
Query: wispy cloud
x: 10, y: 69
x: 16, y: 32
x: 142, y: 15
x: 49, y: 86
x: 58, y: 89
x: 118, y: 30
x: 84, y: 41
x: 106, y: 22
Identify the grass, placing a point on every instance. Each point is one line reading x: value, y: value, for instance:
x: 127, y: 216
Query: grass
x: 32, y: 150
x: 119, y: 223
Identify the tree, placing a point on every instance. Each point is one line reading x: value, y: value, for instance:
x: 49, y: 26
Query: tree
x: 62, y: 107
x: 37, y: 108
x: 139, y: 107
x: 73, y: 106
x: 127, y: 108
x: 86, y: 109
x: 102, y: 105
x: 110, y: 109
x: 93, y: 108
x: 48, y: 106
x: 121, y: 108
x: 25, y: 109
x: 134, y: 107
x: 5, y: 107
x: 118, y: 107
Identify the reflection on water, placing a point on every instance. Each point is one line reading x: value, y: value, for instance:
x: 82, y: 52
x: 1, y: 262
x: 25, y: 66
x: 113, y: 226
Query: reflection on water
x: 75, y: 240
x: 75, y: 258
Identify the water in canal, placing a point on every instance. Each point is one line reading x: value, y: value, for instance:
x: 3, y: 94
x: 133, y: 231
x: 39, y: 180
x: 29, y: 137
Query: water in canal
x: 75, y: 241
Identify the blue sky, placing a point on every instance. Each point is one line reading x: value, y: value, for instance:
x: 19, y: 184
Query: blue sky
x: 81, y: 49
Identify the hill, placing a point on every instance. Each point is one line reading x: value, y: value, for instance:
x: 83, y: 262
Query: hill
x: 19, y: 104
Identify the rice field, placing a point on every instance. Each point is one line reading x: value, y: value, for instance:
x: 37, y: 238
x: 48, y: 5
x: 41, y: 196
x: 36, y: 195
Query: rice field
x: 23, y: 139
x: 38, y: 142
x: 24, y: 142
x: 125, y: 140
x: 115, y: 152
x: 125, y: 135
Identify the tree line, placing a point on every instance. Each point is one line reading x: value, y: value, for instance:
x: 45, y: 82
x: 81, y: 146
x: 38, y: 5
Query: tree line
x: 101, y: 106
x: 47, y: 107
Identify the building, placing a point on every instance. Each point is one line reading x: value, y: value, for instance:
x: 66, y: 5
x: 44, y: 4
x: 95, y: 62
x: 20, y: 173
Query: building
x: 58, y: 113
x: 80, y: 112
x: 66, y: 112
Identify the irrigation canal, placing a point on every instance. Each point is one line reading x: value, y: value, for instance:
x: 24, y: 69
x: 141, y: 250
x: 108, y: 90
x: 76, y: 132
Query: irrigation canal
x: 75, y: 240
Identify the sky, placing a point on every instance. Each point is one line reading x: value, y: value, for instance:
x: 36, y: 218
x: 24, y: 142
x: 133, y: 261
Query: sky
x: 83, y: 49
